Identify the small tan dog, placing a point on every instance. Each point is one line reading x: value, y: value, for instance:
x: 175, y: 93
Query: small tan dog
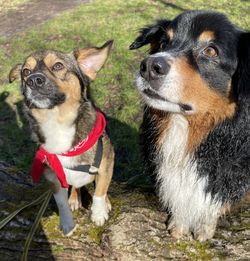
x: 65, y: 123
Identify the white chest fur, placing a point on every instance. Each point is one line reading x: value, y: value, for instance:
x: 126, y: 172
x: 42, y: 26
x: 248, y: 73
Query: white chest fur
x: 58, y: 135
x: 180, y: 187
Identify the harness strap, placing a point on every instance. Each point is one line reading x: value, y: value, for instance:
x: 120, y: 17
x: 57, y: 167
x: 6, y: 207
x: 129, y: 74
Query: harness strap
x: 92, y: 169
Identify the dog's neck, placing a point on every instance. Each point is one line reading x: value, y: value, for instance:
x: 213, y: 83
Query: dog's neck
x: 60, y: 128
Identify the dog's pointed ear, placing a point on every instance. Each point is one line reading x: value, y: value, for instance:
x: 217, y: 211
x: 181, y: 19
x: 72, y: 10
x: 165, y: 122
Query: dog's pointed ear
x: 151, y: 34
x: 15, y: 73
x: 241, y: 78
x: 90, y: 60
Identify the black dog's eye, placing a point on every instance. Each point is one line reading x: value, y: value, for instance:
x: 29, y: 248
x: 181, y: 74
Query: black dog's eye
x: 163, y: 45
x: 57, y: 66
x: 210, y: 51
x: 26, y: 72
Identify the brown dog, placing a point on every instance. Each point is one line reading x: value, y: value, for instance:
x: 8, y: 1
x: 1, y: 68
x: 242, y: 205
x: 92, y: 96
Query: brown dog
x: 63, y: 120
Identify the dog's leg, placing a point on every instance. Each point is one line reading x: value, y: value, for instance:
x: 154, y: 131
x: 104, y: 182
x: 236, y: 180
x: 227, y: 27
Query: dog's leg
x: 206, y: 230
x: 60, y: 194
x: 75, y: 201
x: 177, y: 230
x: 101, y: 204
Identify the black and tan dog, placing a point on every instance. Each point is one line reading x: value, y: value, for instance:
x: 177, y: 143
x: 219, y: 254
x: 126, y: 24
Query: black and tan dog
x: 63, y: 120
x: 196, y: 126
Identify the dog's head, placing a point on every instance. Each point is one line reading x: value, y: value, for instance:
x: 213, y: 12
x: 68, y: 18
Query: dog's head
x: 197, y: 62
x: 49, y: 78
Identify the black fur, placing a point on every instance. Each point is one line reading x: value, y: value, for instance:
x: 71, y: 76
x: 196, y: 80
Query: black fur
x: 224, y: 156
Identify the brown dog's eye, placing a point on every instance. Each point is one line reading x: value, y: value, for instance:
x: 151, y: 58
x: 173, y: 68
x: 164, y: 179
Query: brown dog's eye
x: 57, y: 66
x: 26, y: 72
x: 210, y: 52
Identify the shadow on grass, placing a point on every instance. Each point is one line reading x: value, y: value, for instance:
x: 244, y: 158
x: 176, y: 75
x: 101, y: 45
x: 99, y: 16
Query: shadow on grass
x: 16, y: 187
x: 128, y: 168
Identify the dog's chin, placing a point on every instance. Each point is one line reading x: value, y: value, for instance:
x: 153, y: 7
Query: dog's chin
x: 157, y: 102
x: 155, y: 99
x: 39, y: 103
x: 34, y: 99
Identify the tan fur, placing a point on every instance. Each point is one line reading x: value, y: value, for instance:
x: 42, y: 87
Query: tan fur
x: 162, y: 120
x: 15, y: 73
x: 30, y: 63
x: 90, y: 60
x: 105, y: 172
x: 50, y: 59
x: 210, y: 106
x: 170, y: 34
x: 206, y: 36
x: 75, y: 196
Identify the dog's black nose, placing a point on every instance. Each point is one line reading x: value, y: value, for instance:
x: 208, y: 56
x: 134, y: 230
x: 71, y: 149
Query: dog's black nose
x: 36, y: 80
x: 153, y: 68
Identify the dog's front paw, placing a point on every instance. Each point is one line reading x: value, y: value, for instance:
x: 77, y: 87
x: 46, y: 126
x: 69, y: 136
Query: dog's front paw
x: 205, y: 232
x: 99, y: 210
x: 178, y: 231
x: 75, y: 203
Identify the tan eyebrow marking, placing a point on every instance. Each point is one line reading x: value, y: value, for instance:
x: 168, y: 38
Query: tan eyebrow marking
x: 170, y: 34
x: 206, y: 36
x: 31, y: 63
x: 50, y: 59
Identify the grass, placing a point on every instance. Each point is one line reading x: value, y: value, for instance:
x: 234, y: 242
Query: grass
x: 113, y: 91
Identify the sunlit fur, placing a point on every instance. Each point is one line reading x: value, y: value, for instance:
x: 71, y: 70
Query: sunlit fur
x: 196, y: 124
x: 61, y: 113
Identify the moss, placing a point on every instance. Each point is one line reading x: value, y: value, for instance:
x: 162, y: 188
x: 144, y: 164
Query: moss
x: 57, y: 249
x: 194, y: 250
x: 240, y: 227
x: 50, y: 225
x: 245, y: 215
x: 95, y: 233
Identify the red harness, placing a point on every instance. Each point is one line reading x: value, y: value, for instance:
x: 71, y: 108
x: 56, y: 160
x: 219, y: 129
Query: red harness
x: 42, y: 156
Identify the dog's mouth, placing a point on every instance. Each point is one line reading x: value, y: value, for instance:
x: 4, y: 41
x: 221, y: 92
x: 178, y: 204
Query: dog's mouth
x: 42, y: 99
x: 153, y: 95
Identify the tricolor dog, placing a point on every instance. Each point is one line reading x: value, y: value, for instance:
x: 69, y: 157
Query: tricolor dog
x: 75, y: 148
x: 196, y: 127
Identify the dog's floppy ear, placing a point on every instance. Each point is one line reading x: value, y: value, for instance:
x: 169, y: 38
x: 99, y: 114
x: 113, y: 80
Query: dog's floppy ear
x: 151, y: 35
x: 15, y: 73
x: 241, y: 78
x: 90, y: 60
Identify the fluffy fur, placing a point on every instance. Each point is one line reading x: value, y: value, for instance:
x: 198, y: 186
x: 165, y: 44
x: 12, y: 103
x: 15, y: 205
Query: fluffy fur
x: 196, y: 125
x: 61, y: 113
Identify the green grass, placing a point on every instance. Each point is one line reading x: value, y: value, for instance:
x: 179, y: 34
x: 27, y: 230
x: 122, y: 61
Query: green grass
x: 93, y: 24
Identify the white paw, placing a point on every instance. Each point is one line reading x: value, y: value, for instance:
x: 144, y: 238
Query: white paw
x: 99, y: 210
x: 75, y: 203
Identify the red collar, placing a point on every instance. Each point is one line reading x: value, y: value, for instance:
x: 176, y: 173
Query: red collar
x: 42, y: 156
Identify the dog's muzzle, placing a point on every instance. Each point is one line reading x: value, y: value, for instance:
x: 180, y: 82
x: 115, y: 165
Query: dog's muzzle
x: 153, y: 70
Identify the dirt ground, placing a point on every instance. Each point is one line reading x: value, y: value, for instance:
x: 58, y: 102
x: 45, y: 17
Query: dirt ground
x: 33, y: 13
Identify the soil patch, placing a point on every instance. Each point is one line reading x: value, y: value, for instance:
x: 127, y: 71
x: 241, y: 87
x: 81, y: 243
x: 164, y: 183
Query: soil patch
x: 33, y: 13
